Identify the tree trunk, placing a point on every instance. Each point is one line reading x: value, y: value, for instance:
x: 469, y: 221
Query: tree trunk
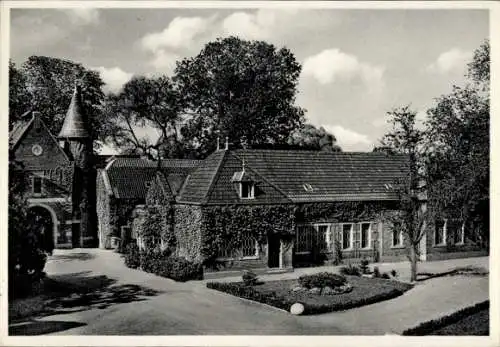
x: 413, y: 261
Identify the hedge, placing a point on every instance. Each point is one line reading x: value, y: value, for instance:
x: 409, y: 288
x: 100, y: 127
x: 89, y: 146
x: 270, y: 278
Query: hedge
x: 162, y: 263
x: 429, y: 327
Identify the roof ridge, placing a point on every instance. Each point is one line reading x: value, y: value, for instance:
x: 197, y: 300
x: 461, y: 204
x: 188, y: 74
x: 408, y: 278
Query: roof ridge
x: 265, y: 179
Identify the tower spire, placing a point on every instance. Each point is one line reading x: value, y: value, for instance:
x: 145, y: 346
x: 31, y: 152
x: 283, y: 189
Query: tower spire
x: 74, y: 126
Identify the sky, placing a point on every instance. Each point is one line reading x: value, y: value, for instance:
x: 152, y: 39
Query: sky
x: 357, y: 64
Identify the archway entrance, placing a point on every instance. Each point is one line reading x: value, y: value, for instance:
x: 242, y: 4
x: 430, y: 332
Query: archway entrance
x: 43, y: 226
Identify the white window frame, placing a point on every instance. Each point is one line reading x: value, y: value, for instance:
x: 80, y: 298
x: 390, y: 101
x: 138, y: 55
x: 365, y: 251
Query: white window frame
x: 351, y: 236
x: 251, y: 191
x: 401, y: 240
x: 369, y: 244
x: 462, y: 235
x: 441, y: 244
x: 328, y: 238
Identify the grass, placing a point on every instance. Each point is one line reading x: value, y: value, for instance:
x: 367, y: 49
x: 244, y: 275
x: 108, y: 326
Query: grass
x: 473, y: 320
x: 279, y: 294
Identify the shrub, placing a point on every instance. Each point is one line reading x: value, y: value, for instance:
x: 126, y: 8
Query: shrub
x: 321, y: 280
x: 249, y: 278
x: 385, y: 276
x: 376, y: 272
x: 350, y: 270
x: 364, y: 266
x: 161, y: 263
x: 394, y: 273
x: 132, y: 256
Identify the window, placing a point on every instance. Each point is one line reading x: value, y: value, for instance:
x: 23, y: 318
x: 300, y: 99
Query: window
x: 397, y: 236
x: 365, y: 235
x: 457, y: 230
x: 246, y: 190
x: 347, y: 236
x: 440, y: 233
x: 37, y: 185
x: 305, y: 235
x: 249, y: 248
x: 323, y: 237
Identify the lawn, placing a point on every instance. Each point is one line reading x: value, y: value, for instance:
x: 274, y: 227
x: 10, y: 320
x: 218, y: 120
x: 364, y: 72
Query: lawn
x: 279, y: 294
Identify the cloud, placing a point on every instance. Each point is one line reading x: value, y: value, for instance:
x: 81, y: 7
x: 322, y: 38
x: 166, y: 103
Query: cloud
x: 114, y: 78
x: 349, y: 139
x: 453, y: 60
x: 164, y: 61
x: 332, y: 65
x: 83, y: 15
x: 32, y: 32
x: 180, y: 33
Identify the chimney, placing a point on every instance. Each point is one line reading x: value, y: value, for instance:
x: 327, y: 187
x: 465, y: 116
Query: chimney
x: 227, y: 143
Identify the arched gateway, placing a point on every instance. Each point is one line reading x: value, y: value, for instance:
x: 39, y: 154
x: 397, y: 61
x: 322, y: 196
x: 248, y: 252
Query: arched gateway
x: 45, y: 225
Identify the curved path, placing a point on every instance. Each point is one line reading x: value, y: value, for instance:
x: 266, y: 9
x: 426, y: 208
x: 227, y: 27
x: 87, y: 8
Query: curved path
x: 123, y: 301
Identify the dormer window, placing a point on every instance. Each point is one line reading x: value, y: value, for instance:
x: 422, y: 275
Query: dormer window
x: 246, y: 190
x: 308, y: 187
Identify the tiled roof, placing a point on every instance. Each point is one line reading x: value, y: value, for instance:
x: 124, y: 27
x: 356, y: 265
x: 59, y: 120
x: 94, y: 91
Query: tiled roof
x: 199, y: 182
x: 297, y: 176
x: 128, y: 176
x: 18, y: 131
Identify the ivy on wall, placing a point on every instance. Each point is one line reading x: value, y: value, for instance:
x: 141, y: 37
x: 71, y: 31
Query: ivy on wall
x: 350, y: 211
x: 224, y: 226
x: 154, y: 224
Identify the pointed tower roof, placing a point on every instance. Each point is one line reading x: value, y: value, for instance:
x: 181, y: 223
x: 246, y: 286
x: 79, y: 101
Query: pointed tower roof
x: 74, y: 124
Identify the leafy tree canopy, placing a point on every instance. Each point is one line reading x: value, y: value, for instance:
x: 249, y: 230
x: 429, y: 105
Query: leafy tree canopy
x: 308, y: 136
x: 46, y: 85
x: 239, y: 89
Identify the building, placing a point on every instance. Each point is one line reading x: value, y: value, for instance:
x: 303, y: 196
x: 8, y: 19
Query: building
x: 61, y: 175
x: 238, y: 208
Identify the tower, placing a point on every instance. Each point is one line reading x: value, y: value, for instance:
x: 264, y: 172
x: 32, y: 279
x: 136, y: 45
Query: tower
x: 77, y: 143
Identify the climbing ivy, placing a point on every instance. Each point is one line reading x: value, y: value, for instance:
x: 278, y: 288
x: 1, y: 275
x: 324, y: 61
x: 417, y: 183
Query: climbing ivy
x: 226, y: 225
x: 351, y: 211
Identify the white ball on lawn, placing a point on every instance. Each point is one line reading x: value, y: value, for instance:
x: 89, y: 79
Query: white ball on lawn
x: 297, y: 309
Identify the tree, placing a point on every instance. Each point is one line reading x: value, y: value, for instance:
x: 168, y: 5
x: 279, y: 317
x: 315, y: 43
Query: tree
x: 46, y: 85
x: 27, y: 252
x: 152, y: 102
x: 458, y: 155
x: 239, y: 89
x: 411, y: 218
x: 18, y: 98
x: 308, y: 136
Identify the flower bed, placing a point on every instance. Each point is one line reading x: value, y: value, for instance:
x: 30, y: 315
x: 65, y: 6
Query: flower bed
x: 280, y: 294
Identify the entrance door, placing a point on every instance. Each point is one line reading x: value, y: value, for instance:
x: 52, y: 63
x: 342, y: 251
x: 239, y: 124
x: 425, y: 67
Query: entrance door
x: 75, y: 231
x: 273, y: 251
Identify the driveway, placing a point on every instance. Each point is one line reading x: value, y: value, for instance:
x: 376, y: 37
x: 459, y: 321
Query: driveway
x: 122, y: 301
